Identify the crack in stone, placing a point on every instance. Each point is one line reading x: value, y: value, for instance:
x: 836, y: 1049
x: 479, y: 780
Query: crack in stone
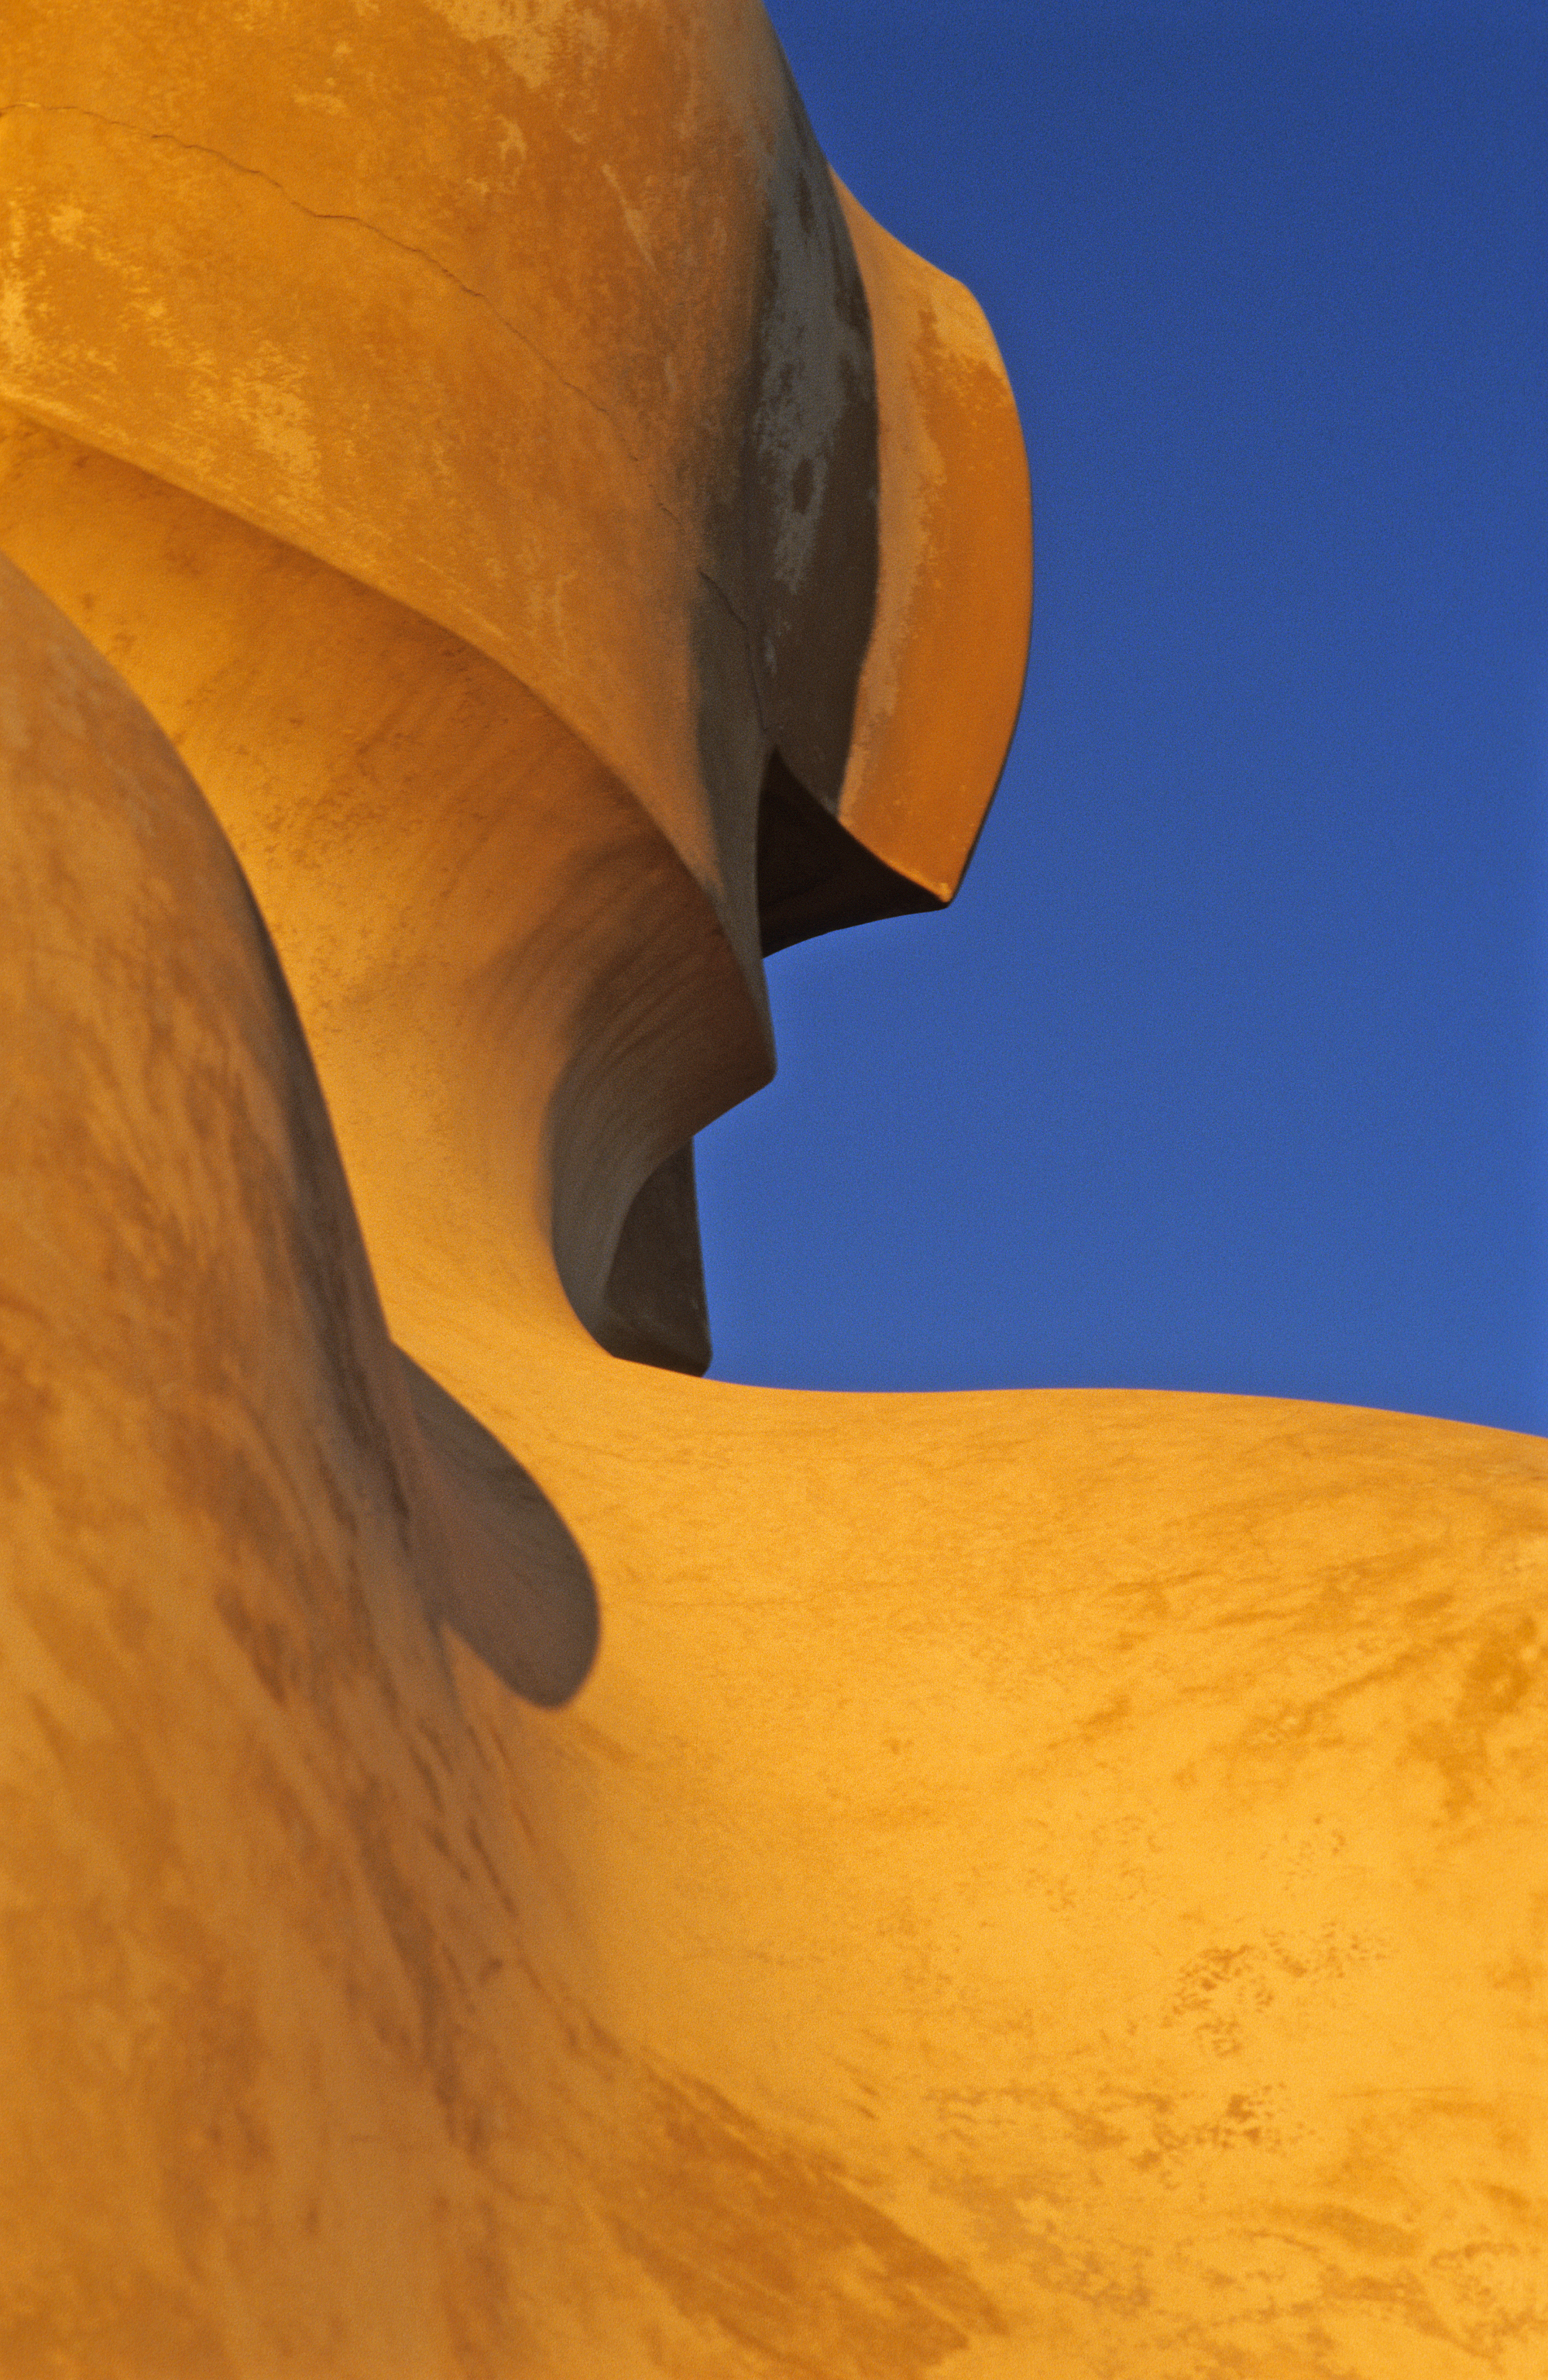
x: 749, y: 650
x: 404, y: 248
x: 319, y: 214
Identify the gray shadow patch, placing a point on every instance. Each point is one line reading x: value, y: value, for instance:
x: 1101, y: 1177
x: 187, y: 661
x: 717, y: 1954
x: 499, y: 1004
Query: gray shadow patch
x: 517, y: 1588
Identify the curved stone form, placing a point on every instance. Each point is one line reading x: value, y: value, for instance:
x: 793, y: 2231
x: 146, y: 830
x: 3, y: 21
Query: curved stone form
x: 550, y: 326
x: 1044, y: 1883
x: 603, y: 385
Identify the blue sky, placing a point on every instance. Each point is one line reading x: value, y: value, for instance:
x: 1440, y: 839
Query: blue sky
x: 1228, y: 1069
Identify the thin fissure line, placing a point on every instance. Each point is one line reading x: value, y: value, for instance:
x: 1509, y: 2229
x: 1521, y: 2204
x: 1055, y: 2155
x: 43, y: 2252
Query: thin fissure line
x: 404, y: 248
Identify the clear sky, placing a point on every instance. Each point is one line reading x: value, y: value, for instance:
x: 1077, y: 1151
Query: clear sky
x: 1228, y: 1069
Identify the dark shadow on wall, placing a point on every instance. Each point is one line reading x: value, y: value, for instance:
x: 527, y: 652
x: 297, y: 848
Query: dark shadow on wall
x: 814, y: 876
x: 517, y: 1590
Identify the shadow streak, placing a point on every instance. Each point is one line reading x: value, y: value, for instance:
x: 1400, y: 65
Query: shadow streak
x: 517, y: 1590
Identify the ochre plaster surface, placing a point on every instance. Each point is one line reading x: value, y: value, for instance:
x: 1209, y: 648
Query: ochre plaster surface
x: 521, y: 1863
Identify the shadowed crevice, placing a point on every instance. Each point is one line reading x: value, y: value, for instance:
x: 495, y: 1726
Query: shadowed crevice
x: 656, y: 1310
x: 814, y: 876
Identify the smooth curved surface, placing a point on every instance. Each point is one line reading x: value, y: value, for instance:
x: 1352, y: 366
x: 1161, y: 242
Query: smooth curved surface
x: 1051, y: 1877
x: 941, y: 686
x: 526, y: 1004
